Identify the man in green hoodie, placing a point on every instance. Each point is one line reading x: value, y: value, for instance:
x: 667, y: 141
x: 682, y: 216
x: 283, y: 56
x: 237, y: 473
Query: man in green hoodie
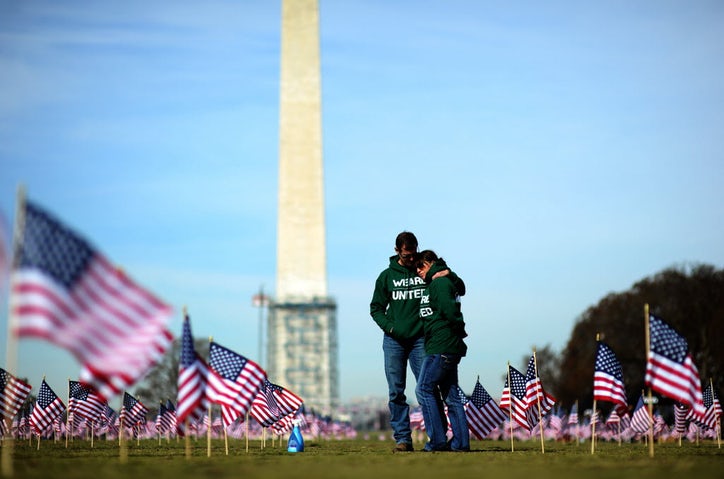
x: 395, y: 307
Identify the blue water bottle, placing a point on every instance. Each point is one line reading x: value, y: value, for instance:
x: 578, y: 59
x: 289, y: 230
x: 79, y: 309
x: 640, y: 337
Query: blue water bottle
x: 296, y: 442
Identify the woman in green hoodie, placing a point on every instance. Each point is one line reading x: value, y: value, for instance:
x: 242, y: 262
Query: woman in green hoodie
x: 444, y: 330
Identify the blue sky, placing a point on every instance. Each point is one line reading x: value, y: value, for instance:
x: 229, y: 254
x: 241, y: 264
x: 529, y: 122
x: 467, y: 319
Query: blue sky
x: 551, y: 152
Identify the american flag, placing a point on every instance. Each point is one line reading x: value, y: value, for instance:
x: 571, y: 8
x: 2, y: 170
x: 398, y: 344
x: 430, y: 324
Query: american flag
x: 573, y: 416
x: 66, y: 292
x: 555, y: 422
x: 48, y: 406
x: 13, y: 393
x: 681, y: 419
x: 640, y: 419
x: 273, y: 403
x: 264, y: 407
x: 613, y: 418
x: 133, y: 411
x: 482, y: 412
x: 233, y: 381
x: 670, y: 369
x: 191, y: 400
x: 712, y: 405
x: 84, y: 402
x: 288, y: 402
x: 608, y: 378
x: 110, y: 419
x: 534, y: 391
x: 166, y: 419
x: 513, y: 397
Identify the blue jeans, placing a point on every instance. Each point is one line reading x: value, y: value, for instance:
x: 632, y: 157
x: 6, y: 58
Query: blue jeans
x: 397, y: 355
x: 437, y: 382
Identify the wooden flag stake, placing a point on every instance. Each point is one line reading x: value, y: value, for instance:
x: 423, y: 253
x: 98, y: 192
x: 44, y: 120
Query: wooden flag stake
x: 208, y: 429
x: 540, y: 412
x: 593, y: 423
x: 11, y: 352
x: 651, y: 402
x: 510, y: 409
x: 717, y: 425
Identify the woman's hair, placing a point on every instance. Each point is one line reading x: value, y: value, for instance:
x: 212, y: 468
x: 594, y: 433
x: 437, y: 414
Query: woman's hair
x: 425, y: 256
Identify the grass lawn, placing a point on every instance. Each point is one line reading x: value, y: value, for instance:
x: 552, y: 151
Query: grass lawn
x: 358, y: 459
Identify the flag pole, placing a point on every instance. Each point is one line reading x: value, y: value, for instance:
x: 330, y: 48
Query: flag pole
x: 651, y: 402
x: 226, y: 438
x: 247, y: 431
x: 619, y: 430
x: 593, y: 422
x: 120, y: 430
x: 122, y: 446
x: 717, y: 425
x: 208, y: 429
x: 11, y: 352
x: 538, y: 395
x: 157, y: 431
x: 67, y: 417
x: 510, y: 409
x: 187, y: 440
x: 31, y: 429
x: 208, y: 435
x: 578, y: 442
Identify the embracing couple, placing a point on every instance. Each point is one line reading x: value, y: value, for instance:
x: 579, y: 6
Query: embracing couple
x: 416, y: 304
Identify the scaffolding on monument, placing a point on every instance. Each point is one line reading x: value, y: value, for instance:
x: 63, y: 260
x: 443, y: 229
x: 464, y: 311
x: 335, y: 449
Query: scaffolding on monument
x: 302, y: 350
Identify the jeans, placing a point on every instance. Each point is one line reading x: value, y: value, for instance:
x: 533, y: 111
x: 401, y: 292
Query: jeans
x: 438, y: 380
x: 397, y: 355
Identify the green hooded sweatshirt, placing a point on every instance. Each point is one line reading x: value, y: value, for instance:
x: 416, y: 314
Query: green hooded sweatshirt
x: 440, y: 314
x: 395, y: 305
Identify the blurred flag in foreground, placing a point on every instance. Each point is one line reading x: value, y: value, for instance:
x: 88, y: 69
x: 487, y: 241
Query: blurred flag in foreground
x: 66, y: 292
x: 13, y: 392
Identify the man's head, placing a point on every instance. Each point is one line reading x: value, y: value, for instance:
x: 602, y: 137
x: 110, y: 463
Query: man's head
x: 406, y: 247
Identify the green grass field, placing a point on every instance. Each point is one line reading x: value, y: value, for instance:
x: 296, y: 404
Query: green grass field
x: 360, y: 459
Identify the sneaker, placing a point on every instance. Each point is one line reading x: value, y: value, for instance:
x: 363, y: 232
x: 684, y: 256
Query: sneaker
x: 403, y: 447
x: 429, y: 448
x: 450, y: 448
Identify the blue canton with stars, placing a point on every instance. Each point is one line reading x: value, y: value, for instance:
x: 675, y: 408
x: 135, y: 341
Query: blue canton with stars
x: 518, y: 383
x: 78, y: 391
x: 461, y: 394
x: 606, y: 362
x: 271, y: 402
x: 53, y: 248
x: 708, y: 397
x: 667, y: 342
x: 226, y: 362
x: 188, y: 353
x: 3, y: 379
x: 45, y: 395
x: 480, y: 396
x: 530, y: 372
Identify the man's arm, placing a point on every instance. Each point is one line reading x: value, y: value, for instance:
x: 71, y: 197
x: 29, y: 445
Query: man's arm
x: 379, y: 303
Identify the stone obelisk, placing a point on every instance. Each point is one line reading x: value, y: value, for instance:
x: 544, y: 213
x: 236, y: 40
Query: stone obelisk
x: 302, y: 332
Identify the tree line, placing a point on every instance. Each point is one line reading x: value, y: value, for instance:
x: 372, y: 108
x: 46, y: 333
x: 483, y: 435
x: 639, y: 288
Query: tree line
x: 690, y: 298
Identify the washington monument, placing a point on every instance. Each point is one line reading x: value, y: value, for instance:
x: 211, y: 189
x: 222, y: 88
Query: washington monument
x: 302, y: 327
